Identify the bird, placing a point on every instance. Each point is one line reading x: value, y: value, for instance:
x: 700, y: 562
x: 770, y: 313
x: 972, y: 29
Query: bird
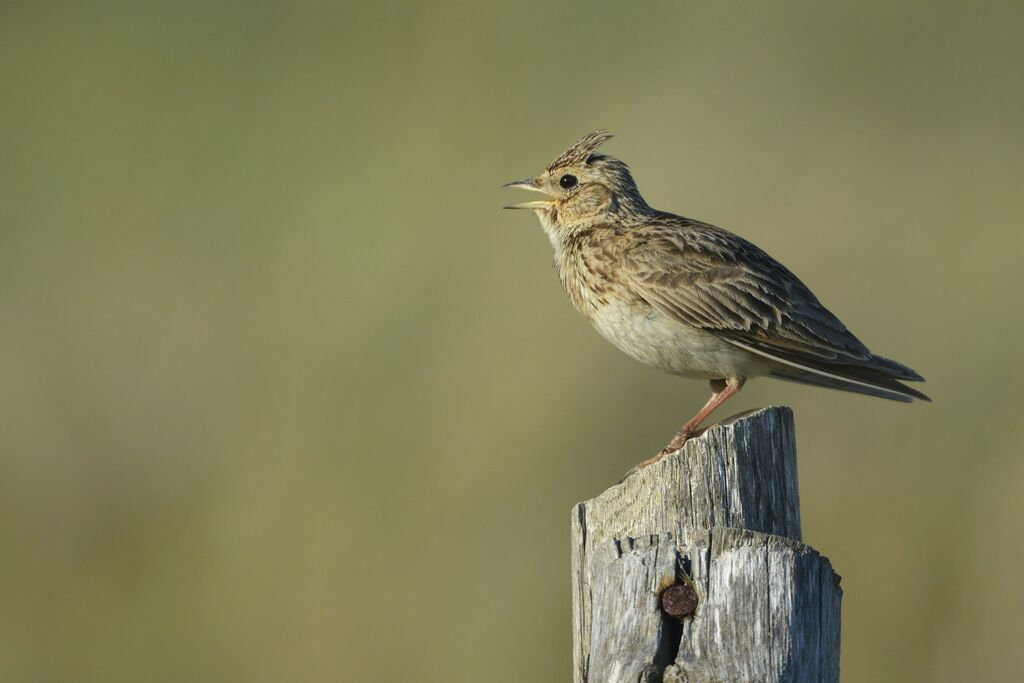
x: 690, y: 298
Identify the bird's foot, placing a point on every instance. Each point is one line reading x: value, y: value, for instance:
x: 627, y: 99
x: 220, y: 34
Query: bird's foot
x: 674, y: 445
x: 639, y: 466
x: 681, y: 437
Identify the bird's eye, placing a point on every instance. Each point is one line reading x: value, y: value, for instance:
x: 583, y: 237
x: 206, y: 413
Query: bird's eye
x: 567, y: 181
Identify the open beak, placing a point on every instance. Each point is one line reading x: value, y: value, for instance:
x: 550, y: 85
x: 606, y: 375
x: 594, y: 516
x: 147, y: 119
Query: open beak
x: 529, y: 184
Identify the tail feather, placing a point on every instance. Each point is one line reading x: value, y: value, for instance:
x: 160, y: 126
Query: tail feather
x: 876, y: 376
x: 897, y: 393
x: 882, y: 377
x: 896, y: 370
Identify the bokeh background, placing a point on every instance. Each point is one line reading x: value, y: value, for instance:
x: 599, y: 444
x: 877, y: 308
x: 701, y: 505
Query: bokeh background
x: 285, y: 396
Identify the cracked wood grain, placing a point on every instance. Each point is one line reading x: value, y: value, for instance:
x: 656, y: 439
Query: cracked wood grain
x: 723, y: 512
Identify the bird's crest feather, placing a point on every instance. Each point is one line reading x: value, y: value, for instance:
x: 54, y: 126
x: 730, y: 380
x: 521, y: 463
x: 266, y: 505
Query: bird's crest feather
x: 581, y: 150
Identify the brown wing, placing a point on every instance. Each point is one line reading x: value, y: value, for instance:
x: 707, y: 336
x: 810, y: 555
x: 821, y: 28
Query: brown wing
x: 711, y: 279
x: 719, y: 282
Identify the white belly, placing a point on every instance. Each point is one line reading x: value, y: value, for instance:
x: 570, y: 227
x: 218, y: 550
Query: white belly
x: 659, y: 341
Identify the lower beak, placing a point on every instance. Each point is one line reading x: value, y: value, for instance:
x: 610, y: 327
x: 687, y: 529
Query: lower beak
x: 536, y: 204
x: 529, y: 184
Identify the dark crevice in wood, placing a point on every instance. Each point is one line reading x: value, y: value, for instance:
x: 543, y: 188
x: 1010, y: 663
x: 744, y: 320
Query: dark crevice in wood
x: 768, y: 607
x: 671, y: 633
x: 668, y: 647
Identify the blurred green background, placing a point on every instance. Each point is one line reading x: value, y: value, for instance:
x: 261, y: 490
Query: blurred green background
x: 285, y: 396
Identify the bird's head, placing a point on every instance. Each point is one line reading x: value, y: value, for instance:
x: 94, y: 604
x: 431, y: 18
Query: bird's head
x: 582, y: 188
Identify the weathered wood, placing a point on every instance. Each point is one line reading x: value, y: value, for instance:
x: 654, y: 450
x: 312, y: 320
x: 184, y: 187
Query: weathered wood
x: 722, y: 513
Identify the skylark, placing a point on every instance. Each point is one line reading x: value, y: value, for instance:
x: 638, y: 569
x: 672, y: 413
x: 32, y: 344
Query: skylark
x: 690, y: 298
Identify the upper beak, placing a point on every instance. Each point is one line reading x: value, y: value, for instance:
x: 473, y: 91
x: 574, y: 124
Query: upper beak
x: 528, y: 184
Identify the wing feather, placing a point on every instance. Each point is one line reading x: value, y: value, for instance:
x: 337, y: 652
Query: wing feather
x: 711, y: 279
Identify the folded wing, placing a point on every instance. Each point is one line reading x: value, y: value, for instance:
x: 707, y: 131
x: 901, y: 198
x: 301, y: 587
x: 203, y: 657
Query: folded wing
x: 708, y: 278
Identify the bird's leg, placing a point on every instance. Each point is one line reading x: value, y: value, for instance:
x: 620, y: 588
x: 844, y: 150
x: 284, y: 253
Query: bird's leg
x: 722, y: 389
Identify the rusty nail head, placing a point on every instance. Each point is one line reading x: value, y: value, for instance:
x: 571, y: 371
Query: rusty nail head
x: 679, y: 601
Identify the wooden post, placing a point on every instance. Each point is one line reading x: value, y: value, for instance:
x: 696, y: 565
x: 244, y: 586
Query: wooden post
x: 721, y: 519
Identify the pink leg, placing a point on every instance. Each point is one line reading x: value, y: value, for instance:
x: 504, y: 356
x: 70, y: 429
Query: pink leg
x: 723, y: 389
